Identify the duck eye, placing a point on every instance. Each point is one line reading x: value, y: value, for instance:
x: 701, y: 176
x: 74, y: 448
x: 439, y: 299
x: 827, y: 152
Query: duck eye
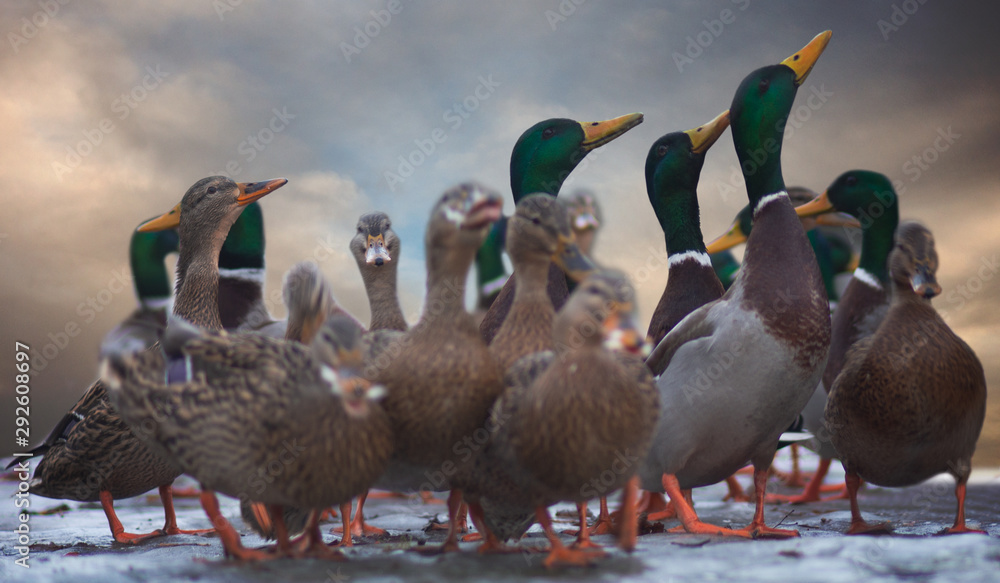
x: 548, y: 133
x: 764, y: 84
x: 536, y: 221
x: 661, y: 150
x: 851, y: 180
x: 212, y: 190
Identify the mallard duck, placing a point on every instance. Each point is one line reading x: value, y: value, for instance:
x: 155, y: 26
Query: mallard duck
x: 738, y: 232
x: 726, y: 267
x: 538, y: 235
x: 491, y: 272
x: 585, y: 218
x: 764, y: 343
x: 92, y: 454
x: 542, y: 158
x: 570, y: 423
x: 253, y: 417
x: 147, y: 255
x: 864, y: 302
x: 440, y: 376
x: 376, y: 249
x: 911, y: 398
x: 673, y: 168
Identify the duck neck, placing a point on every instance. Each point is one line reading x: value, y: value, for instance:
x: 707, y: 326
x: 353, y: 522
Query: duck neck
x: 383, y: 299
x: 147, y: 255
x: 877, y: 243
x: 532, y: 280
x: 680, y: 219
x: 198, y: 281
x: 447, y: 270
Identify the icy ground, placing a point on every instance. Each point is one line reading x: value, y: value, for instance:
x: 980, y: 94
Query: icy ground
x: 71, y: 542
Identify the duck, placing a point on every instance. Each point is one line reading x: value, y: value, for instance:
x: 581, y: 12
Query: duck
x: 439, y: 375
x: 738, y: 232
x: 491, y: 271
x: 870, y: 198
x: 765, y: 341
x: 542, y: 158
x: 257, y: 418
x: 147, y: 259
x: 375, y: 248
x: 538, y: 234
x: 726, y: 267
x: 673, y: 168
x: 92, y: 454
x: 570, y: 423
x: 585, y: 216
x: 910, y: 400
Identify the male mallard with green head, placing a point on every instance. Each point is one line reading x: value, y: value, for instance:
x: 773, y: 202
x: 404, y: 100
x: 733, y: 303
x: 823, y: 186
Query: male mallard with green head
x: 749, y: 361
x: 542, y: 159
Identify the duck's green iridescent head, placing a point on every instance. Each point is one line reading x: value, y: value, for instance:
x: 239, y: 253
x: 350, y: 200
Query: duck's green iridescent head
x: 870, y: 198
x: 673, y: 168
x: 244, y: 246
x: 147, y: 252
x: 548, y: 151
x: 760, y: 110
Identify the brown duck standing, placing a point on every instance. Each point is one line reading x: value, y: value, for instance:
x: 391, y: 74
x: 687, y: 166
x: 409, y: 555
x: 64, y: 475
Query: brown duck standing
x: 440, y: 376
x: 910, y: 401
x: 92, y: 454
x: 572, y: 424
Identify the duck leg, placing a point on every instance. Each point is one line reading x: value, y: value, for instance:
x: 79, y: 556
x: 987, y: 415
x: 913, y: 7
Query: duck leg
x: 117, y: 530
x: 491, y: 544
x: 583, y: 541
x: 170, y: 524
x: 312, y: 544
x: 603, y: 524
x: 814, y: 488
x: 629, y: 530
x: 559, y: 554
x: 230, y: 538
x: 358, y: 526
x: 858, y: 524
x: 455, y: 509
x: 651, y: 502
x: 757, y: 528
x: 959, y: 526
x: 736, y: 493
x: 689, y: 518
x: 280, y: 530
x: 347, y: 540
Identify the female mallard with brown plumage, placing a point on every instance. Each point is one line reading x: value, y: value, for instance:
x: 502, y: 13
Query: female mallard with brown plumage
x: 539, y: 234
x: 440, y: 376
x: 910, y: 401
x: 92, y: 454
x: 570, y: 423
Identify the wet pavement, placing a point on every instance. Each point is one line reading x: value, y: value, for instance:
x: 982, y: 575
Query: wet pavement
x: 70, y: 541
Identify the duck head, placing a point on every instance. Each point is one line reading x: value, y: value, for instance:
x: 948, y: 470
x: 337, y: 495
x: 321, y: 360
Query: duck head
x: 337, y: 345
x: 375, y: 243
x: 541, y: 230
x: 548, y: 151
x: 759, y: 112
x: 913, y: 263
x: 245, y: 244
x: 673, y: 168
x: 461, y: 218
x: 870, y: 198
x: 584, y: 217
x: 600, y: 312
x: 147, y: 252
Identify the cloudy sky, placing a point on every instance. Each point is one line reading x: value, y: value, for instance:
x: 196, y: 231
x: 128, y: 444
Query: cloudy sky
x: 110, y: 112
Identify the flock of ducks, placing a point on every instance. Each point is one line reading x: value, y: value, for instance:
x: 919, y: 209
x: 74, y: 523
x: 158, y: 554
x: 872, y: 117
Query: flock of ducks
x: 550, y: 395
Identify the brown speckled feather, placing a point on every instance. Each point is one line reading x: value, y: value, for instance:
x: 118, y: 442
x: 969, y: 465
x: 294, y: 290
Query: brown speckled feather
x: 557, y: 289
x: 258, y: 421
